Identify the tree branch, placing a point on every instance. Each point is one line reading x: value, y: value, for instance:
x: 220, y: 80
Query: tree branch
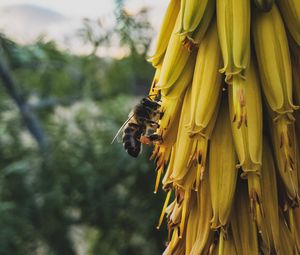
x: 30, y: 120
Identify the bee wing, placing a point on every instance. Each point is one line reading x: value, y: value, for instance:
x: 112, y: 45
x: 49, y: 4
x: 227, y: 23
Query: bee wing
x: 122, y: 127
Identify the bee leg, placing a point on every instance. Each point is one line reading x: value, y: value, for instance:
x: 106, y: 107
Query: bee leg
x: 155, y: 138
x: 151, y: 123
x: 161, y: 114
x: 145, y: 140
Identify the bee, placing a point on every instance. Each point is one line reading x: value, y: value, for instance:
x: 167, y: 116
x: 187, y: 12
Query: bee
x: 141, y: 126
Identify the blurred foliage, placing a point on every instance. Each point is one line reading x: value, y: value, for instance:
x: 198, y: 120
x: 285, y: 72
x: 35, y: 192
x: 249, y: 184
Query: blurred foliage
x: 135, y: 31
x: 81, y: 193
x: 96, y: 33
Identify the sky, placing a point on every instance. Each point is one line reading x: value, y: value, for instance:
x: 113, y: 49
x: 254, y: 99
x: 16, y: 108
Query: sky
x: 69, y: 7
x: 25, y: 20
x: 79, y: 8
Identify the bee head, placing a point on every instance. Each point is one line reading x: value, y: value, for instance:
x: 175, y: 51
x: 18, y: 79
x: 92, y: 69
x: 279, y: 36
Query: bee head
x: 147, y: 102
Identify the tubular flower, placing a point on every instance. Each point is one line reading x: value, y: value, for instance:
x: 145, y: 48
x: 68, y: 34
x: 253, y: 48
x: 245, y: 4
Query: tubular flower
x: 228, y: 81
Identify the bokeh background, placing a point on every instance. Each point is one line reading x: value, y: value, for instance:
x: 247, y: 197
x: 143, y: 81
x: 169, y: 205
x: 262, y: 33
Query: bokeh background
x: 70, y: 71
